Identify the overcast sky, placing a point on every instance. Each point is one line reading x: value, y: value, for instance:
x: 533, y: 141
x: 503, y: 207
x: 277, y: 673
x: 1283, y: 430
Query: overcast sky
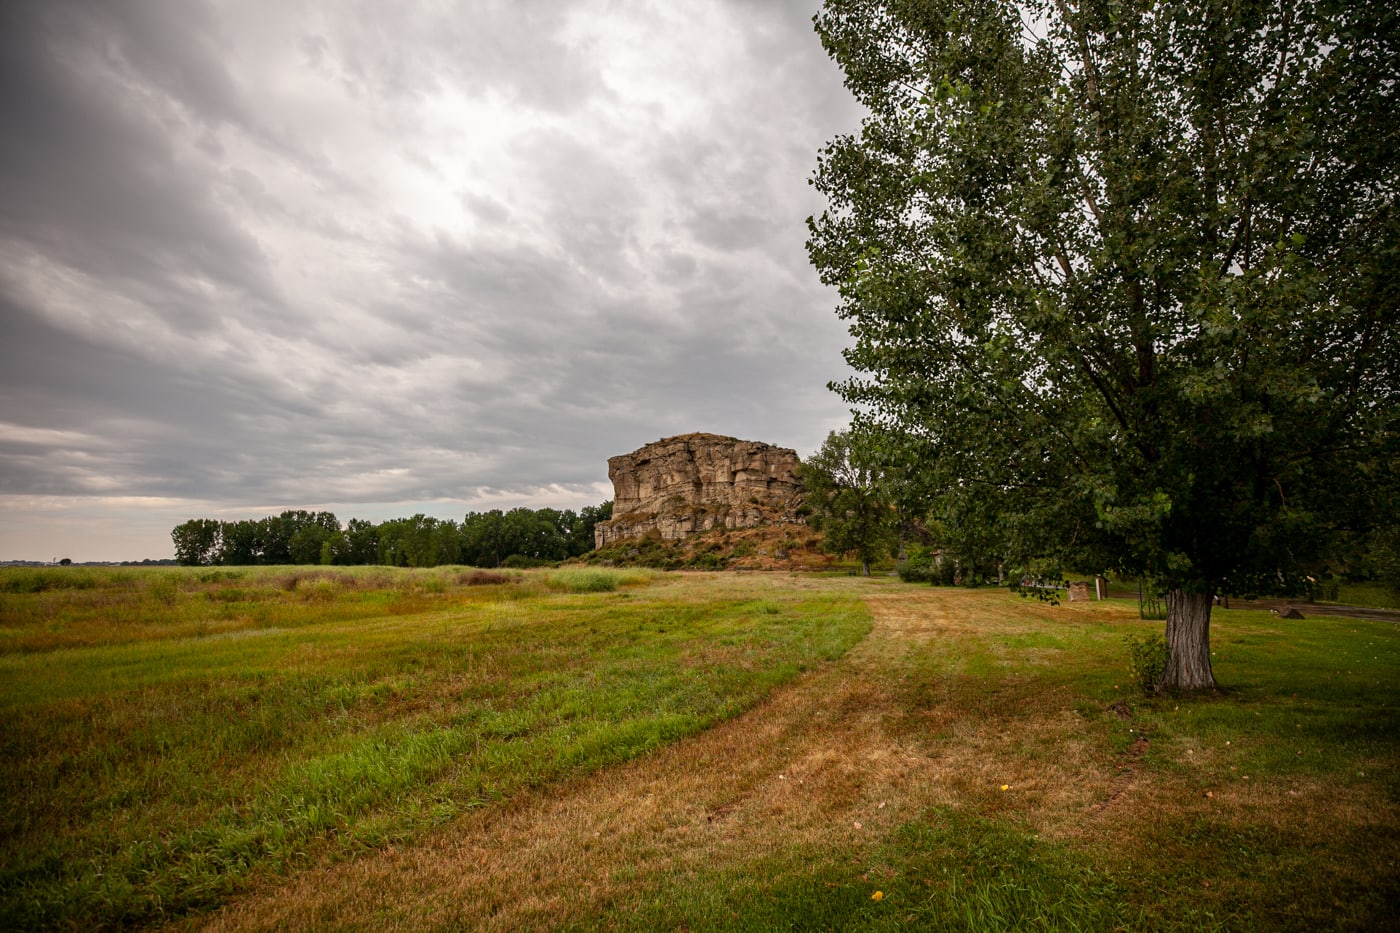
x: 383, y: 258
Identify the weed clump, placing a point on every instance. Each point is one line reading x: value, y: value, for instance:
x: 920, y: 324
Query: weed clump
x: 1147, y: 658
x: 484, y: 578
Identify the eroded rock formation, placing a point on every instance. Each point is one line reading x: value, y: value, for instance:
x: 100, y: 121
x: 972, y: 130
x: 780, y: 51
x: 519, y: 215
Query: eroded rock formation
x: 695, y: 482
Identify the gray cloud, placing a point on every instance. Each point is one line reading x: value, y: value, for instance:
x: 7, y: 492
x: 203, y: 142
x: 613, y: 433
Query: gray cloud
x: 92, y: 178
x: 259, y: 255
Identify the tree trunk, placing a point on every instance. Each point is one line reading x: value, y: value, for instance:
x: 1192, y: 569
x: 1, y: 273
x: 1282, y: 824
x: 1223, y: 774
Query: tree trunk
x: 1188, y: 642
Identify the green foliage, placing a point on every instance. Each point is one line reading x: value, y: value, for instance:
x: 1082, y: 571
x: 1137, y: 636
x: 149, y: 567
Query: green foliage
x: 917, y: 567
x: 1147, y: 659
x: 420, y: 541
x: 536, y: 536
x: 521, y: 562
x: 518, y: 538
x: 1374, y: 594
x: 1150, y: 602
x: 849, y: 504
x: 709, y: 560
x: 1063, y: 277
x: 1043, y: 587
x: 716, y: 549
x: 595, y: 579
x: 646, y: 551
x: 1385, y: 556
x: 196, y: 542
x: 926, y: 565
x: 1122, y: 275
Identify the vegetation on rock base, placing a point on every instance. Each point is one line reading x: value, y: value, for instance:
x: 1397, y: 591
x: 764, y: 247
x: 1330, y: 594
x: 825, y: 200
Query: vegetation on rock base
x: 767, y: 547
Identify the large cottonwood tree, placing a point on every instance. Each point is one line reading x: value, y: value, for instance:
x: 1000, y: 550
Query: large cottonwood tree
x: 1130, y: 269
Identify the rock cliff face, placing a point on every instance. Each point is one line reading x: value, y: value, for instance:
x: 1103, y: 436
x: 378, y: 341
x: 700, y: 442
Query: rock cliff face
x: 695, y: 482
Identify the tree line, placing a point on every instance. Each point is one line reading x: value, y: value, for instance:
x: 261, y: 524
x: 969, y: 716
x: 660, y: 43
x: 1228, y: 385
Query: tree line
x: 519, y: 537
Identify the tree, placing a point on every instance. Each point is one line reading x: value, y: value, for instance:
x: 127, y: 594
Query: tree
x: 848, y: 504
x: 335, y: 550
x: 1129, y: 269
x: 196, y: 541
x: 581, y: 533
x: 532, y: 535
x: 481, y: 539
x: 306, y: 543
x: 362, y: 542
x: 242, y: 543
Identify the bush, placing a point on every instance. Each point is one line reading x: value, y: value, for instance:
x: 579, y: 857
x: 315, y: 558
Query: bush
x: 522, y: 562
x: 926, y: 565
x: 1327, y: 591
x: 484, y: 578
x: 1147, y: 658
x: 709, y: 560
x: 917, y: 566
x: 647, y: 551
x: 1151, y: 605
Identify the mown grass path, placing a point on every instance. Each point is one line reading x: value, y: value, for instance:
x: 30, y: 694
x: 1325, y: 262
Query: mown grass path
x: 978, y: 763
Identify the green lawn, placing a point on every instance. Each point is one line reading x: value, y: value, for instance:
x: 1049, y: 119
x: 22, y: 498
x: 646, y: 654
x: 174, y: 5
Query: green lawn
x: 585, y: 748
x: 169, y: 734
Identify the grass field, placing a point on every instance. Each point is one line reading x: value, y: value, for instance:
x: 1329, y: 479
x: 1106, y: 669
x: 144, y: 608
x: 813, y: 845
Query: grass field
x: 581, y: 749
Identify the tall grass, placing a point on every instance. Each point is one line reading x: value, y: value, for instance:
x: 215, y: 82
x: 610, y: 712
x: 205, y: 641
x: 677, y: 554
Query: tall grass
x: 598, y: 580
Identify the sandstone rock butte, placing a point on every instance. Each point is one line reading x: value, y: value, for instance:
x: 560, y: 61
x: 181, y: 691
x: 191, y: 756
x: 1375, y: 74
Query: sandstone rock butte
x: 694, y: 482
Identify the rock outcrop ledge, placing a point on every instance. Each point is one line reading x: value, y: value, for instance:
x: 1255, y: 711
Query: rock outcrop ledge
x: 682, y: 485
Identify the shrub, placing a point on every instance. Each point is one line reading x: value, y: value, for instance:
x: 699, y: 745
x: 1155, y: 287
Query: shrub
x: 523, y: 562
x: 1327, y: 591
x: 648, y: 551
x: 926, y: 565
x: 1150, y: 602
x: 917, y: 566
x: 709, y: 560
x: 1147, y: 658
x: 484, y: 578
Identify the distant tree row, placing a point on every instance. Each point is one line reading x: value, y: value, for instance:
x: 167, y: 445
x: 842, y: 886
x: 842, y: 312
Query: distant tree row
x: 520, y: 537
